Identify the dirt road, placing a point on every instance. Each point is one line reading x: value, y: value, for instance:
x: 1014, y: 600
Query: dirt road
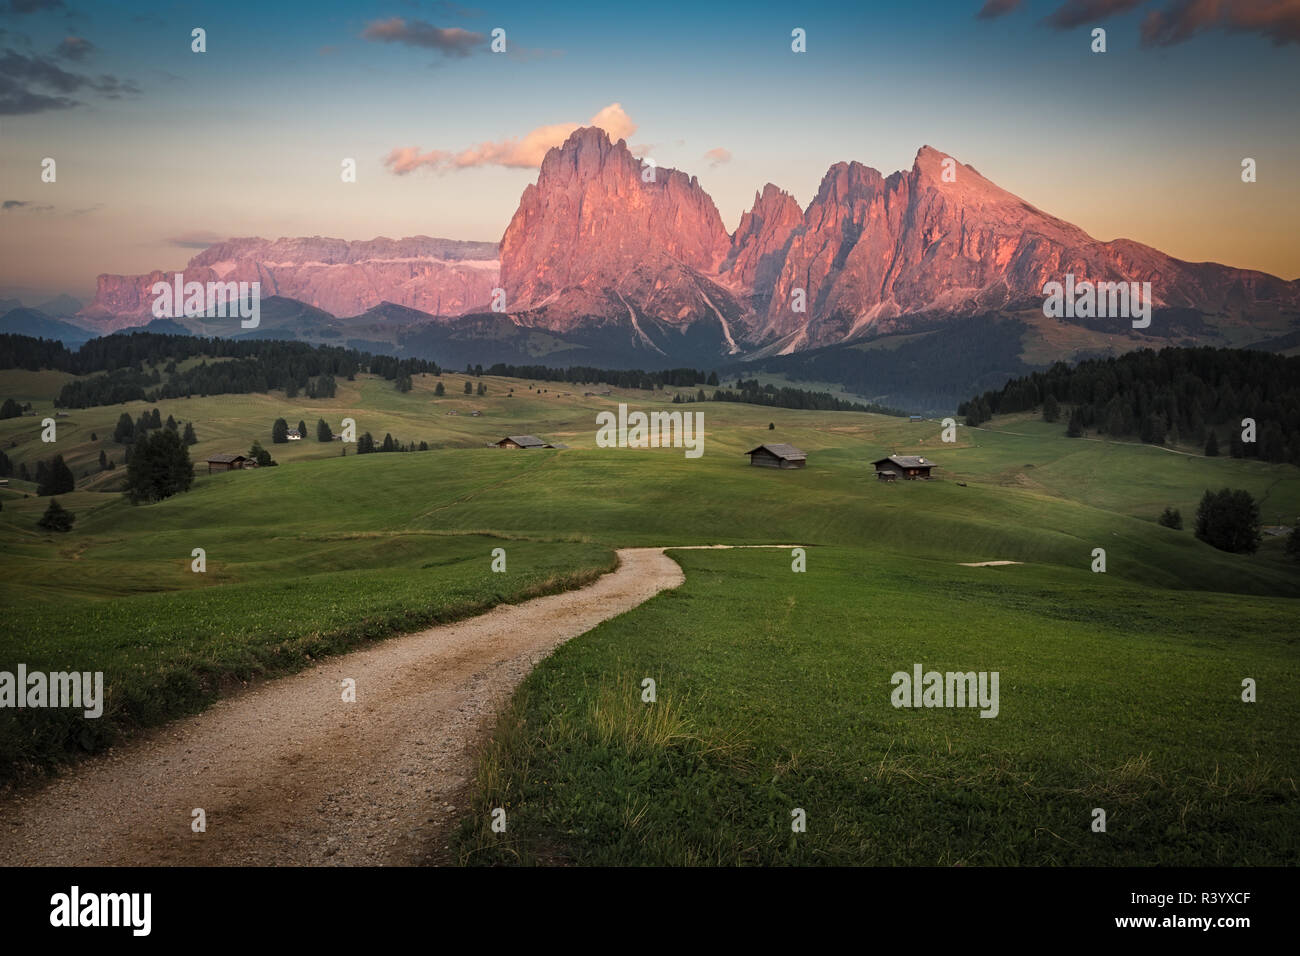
x: 288, y: 773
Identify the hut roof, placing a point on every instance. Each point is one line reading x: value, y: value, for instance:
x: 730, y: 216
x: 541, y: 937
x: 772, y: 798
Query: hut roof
x: 525, y: 441
x: 780, y: 450
x: 906, y: 461
x: 225, y: 459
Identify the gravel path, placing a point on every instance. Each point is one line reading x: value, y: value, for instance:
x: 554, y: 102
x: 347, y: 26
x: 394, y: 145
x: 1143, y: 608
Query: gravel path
x: 290, y: 774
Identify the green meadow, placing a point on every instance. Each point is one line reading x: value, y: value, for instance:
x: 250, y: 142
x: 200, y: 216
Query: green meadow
x: 1119, y: 690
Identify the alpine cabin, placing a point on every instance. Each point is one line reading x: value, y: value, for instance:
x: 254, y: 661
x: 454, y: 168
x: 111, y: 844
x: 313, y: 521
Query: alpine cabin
x: 909, y: 467
x: 229, y: 463
x: 777, y: 456
x: 521, y: 441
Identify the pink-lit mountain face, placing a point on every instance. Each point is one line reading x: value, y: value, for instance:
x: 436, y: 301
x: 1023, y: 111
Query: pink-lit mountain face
x: 602, y: 243
x: 591, y: 238
x: 601, y: 234
x: 438, y: 276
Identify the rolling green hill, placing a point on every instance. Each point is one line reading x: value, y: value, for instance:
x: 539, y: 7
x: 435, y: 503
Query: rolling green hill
x: 776, y: 685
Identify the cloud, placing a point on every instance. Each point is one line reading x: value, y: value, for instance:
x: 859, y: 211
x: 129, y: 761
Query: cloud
x: 23, y: 205
x: 718, y: 157
x: 996, y: 8
x: 1279, y: 20
x: 1076, y: 13
x: 18, y: 73
x: 16, y: 100
x: 524, y: 152
x: 450, y: 41
x: 32, y: 6
x: 75, y: 48
x: 196, y: 239
x: 39, y: 70
x: 405, y: 159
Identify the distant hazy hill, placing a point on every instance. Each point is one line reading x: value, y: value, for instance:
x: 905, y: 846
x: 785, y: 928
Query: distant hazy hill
x: 39, y: 325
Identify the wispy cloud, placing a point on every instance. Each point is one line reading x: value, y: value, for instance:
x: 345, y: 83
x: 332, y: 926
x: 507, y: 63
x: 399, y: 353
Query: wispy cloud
x: 34, y: 6
x: 1076, y: 13
x: 24, y: 206
x: 450, y: 41
x: 19, y: 74
x: 524, y: 152
x: 996, y: 8
x: 17, y: 100
x: 196, y: 239
x: 75, y: 48
x: 718, y: 156
x: 1177, y: 21
x: 1278, y: 20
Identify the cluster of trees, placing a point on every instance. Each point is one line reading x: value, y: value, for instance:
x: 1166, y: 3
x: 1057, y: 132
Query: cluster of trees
x: 1229, y: 520
x: 237, y: 376
x: 391, y: 368
x: 56, y: 518
x: 11, y: 409
x: 751, y: 393
x: 128, y: 432
x: 122, y: 368
x: 54, y: 477
x: 1173, y: 396
x: 261, y: 456
x: 159, y: 467
x: 280, y: 431
x: 589, y: 375
x: 366, y: 445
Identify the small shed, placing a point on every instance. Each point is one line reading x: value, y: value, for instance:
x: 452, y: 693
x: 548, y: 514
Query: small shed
x: 294, y: 435
x: 909, y: 467
x: 779, y: 455
x: 226, y: 463
x: 521, y: 441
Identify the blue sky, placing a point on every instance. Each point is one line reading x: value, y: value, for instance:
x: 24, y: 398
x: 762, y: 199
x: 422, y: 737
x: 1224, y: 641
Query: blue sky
x: 1144, y: 141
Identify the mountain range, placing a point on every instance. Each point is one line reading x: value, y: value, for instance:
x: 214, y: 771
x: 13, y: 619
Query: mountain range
x: 610, y: 259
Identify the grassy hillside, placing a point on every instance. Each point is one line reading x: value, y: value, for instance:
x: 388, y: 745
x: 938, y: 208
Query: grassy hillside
x: 774, y: 694
x: 768, y: 676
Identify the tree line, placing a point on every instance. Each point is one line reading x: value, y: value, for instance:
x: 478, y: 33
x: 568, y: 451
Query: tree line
x: 589, y: 375
x: 1173, y: 396
x: 130, y: 365
x: 752, y: 393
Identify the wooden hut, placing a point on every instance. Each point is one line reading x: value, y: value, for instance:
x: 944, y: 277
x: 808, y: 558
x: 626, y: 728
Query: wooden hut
x: 909, y: 467
x: 778, y: 455
x: 521, y: 441
x: 226, y: 463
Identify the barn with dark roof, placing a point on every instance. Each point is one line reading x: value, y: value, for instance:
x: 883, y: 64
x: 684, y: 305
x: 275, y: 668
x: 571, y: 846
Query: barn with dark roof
x: 779, y: 455
x: 228, y: 463
x: 909, y: 467
x: 521, y: 441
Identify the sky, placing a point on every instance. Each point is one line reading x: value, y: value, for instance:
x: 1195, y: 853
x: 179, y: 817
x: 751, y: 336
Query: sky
x: 160, y: 151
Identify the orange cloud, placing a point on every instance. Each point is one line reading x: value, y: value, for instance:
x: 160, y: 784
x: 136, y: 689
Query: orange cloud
x: 524, y: 152
x: 717, y: 157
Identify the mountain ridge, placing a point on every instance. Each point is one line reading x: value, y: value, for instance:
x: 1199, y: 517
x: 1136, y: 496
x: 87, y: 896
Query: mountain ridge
x: 608, y: 245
